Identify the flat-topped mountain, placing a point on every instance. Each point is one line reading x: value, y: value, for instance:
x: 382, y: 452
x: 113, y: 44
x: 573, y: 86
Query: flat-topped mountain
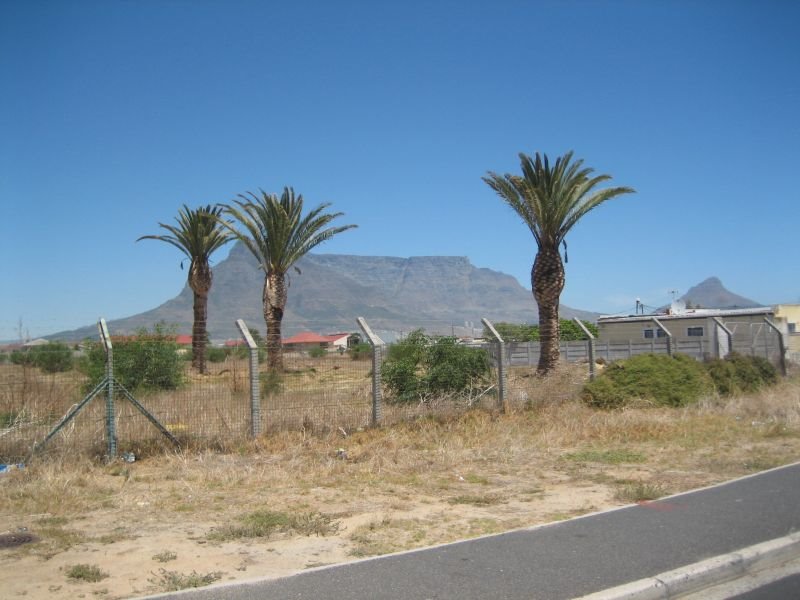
x: 439, y: 293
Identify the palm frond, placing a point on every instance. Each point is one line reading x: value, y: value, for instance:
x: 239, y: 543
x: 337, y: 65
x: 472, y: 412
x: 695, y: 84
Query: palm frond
x: 551, y: 199
x: 275, y: 230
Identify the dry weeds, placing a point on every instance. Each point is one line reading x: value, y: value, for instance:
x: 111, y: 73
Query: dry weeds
x: 429, y: 480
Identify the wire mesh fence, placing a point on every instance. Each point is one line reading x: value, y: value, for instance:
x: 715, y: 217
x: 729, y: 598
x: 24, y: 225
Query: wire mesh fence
x: 152, y: 397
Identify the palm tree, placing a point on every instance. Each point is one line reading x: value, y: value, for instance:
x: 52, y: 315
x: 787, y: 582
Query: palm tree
x: 278, y: 234
x: 198, y: 234
x: 551, y: 200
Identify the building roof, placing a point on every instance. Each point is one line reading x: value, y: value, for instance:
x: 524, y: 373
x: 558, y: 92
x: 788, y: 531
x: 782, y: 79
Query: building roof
x: 690, y: 313
x: 308, y: 337
x: 184, y: 339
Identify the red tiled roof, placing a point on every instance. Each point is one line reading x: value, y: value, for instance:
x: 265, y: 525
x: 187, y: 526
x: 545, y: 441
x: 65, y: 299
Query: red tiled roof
x: 307, y: 337
x: 184, y: 340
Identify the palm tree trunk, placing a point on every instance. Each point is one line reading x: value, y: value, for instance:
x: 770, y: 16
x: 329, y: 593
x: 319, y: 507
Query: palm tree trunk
x: 274, y: 297
x: 200, y: 282
x: 547, y: 281
x: 199, y: 332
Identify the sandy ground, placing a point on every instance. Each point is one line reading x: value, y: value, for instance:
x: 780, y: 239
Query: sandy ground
x: 146, y: 526
x: 136, y: 539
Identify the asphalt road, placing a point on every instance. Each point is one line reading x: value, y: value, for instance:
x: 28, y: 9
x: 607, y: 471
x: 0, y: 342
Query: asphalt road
x: 562, y: 560
x: 787, y: 588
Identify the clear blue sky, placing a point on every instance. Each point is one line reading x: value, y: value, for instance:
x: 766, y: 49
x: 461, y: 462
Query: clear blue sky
x: 114, y: 113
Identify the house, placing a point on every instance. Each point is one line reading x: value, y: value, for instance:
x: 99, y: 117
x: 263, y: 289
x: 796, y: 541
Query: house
x: 700, y: 332
x: 183, y: 340
x: 307, y: 340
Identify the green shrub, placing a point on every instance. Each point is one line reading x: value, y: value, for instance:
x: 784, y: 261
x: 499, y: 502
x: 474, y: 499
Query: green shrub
x: 21, y: 357
x: 216, y: 355
x: 737, y: 373
x: 360, y: 351
x: 512, y: 332
x: 317, y: 352
x: 420, y: 367
x: 658, y: 378
x: 3, y: 357
x: 148, y: 360
x: 53, y: 357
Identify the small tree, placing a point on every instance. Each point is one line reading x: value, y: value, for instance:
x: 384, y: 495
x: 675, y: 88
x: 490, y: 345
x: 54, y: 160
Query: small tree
x: 421, y: 367
x: 148, y: 360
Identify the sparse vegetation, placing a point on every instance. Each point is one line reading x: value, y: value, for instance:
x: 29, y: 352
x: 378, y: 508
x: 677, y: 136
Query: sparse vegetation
x: 640, y: 491
x: 265, y: 523
x: 165, y: 556
x: 85, y: 572
x: 608, y: 457
x: 172, y: 581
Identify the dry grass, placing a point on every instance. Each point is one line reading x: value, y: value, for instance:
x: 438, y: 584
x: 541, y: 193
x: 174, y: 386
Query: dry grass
x: 431, y: 479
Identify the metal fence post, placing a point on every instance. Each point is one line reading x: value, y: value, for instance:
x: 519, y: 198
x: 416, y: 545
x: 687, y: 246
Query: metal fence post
x: 501, y: 365
x: 728, y: 332
x: 255, y: 394
x: 377, y: 360
x: 667, y: 333
x: 781, y: 346
x: 111, y: 426
x: 589, y: 346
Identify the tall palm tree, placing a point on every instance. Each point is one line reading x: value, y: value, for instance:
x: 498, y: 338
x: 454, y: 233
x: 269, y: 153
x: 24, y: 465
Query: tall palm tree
x: 278, y: 234
x: 551, y: 200
x: 198, y: 234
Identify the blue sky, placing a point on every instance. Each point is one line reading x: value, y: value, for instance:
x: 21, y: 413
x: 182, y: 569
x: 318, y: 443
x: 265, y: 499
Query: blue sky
x: 114, y: 113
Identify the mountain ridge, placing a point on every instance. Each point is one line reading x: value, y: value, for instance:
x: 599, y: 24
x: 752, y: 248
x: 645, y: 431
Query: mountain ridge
x: 442, y: 294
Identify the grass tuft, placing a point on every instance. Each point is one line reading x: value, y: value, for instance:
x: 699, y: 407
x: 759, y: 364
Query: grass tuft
x: 640, y: 492
x: 172, y: 581
x: 88, y: 573
x: 264, y: 523
x: 608, y: 457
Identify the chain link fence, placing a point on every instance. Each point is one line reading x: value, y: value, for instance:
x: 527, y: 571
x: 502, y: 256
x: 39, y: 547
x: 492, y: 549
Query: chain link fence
x: 130, y: 395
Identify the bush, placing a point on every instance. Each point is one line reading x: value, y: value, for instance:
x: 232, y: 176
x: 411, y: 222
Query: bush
x: 148, y: 360
x: 317, y: 352
x: 21, y: 357
x: 216, y: 355
x: 736, y: 374
x: 511, y: 332
x: 53, y: 357
x: 420, y: 367
x: 360, y: 351
x: 658, y: 378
